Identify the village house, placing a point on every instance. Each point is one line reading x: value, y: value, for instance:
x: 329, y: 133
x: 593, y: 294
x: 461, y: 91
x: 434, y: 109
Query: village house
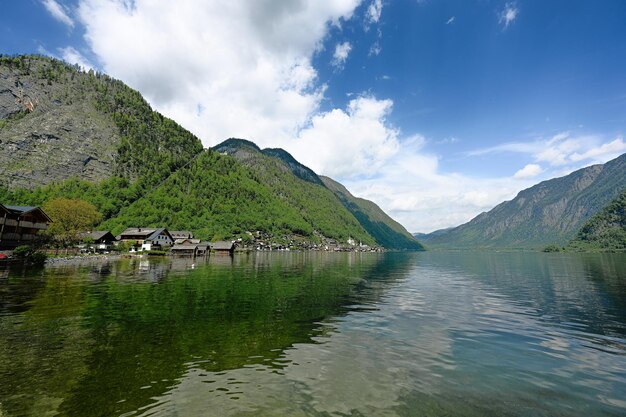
x: 191, y: 249
x: 19, y: 225
x: 97, y: 241
x: 146, y: 238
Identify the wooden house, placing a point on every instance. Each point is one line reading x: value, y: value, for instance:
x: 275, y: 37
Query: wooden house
x: 223, y: 246
x: 19, y: 225
x: 190, y: 249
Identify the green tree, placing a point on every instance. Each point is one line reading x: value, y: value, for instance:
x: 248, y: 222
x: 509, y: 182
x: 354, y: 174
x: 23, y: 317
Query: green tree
x: 70, y: 218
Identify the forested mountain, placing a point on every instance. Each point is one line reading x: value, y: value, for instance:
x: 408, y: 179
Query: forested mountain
x: 550, y: 212
x: 65, y: 132
x: 606, y: 230
x: 219, y: 197
x: 302, y: 188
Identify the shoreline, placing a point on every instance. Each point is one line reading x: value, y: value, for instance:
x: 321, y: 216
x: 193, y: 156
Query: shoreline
x: 74, y: 260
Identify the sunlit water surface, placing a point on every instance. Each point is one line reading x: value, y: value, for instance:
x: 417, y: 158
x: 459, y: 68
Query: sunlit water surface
x: 309, y: 334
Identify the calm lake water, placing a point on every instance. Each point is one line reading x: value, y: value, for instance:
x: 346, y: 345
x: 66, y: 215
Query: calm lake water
x: 309, y: 334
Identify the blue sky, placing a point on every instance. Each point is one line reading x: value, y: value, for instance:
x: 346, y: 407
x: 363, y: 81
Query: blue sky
x: 436, y: 110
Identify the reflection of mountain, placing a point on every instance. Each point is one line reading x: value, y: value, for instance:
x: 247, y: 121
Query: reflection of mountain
x: 142, y: 324
x: 545, y: 279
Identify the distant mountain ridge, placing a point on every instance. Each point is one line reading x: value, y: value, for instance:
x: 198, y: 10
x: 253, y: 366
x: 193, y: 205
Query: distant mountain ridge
x: 550, y: 212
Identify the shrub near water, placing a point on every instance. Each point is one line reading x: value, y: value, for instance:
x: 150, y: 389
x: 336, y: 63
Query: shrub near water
x: 29, y: 255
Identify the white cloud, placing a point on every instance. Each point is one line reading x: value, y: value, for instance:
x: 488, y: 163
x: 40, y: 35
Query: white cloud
x: 603, y: 152
x: 375, y: 49
x: 349, y: 143
x: 564, y: 149
x: 529, y: 171
x: 411, y: 188
x: 451, y: 20
x: 373, y: 13
x: 509, y: 14
x: 246, y: 64
x: 342, y: 50
x: 72, y: 56
x: 58, y: 12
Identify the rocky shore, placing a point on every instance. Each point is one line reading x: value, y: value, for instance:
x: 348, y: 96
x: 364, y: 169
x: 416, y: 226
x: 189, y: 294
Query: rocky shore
x: 80, y: 259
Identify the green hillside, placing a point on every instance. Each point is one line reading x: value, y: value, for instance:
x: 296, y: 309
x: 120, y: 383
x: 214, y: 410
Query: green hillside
x: 383, y: 228
x: 606, y: 231
x: 276, y: 166
x: 317, y: 205
x: 550, y: 212
x: 217, y: 197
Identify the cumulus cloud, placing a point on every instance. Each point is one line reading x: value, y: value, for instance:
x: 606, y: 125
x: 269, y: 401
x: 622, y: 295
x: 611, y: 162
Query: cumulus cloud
x: 354, y: 142
x: 246, y: 65
x: 509, y: 14
x: 58, y: 12
x: 411, y: 188
x: 342, y: 50
x: 529, y: 171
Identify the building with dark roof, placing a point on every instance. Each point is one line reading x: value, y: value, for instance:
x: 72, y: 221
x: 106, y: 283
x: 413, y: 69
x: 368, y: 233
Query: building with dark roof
x: 98, y: 241
x: 19, y: 225
x: 147, y: 238
x: 223, y: 246
x: 191, y: 249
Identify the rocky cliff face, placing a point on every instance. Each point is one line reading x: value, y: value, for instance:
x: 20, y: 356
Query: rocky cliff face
x: 50, y: 129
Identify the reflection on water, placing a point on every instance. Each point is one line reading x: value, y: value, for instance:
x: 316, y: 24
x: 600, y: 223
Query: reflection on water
x: 301, y: 334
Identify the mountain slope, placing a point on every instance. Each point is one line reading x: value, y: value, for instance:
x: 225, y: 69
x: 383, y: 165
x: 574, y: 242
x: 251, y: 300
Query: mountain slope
x: 606, y: 230
x: 317, y: 205
x: 57, y: 122
x: 549, y: 212
x: 216, y: 197
x: 383, y: 228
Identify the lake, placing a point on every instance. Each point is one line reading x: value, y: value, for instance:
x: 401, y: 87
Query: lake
x: 317, y: 334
